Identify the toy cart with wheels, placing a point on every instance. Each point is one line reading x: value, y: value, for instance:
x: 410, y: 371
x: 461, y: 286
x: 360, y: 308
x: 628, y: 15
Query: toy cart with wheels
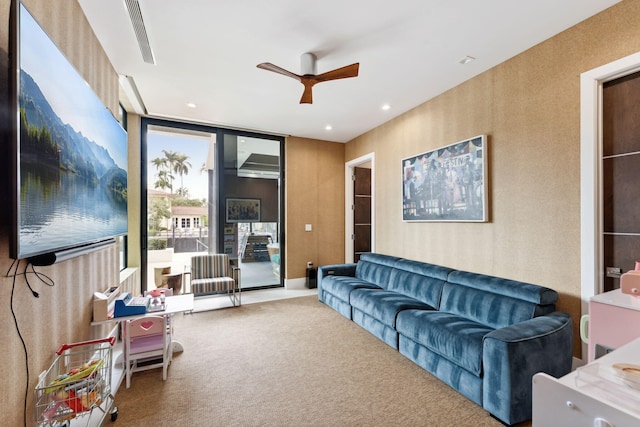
x: 76, y: 389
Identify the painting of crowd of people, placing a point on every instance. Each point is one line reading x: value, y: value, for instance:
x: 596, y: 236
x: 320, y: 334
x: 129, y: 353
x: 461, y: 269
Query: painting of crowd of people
x: 243, y: 210
x: 446, y: 184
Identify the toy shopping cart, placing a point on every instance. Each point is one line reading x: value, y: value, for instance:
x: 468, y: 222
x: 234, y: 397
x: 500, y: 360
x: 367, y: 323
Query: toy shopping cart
x: 77, y: 383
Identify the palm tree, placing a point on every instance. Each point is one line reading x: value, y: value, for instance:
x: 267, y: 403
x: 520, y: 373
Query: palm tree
x: 181, y: 166
x: 171, y: 162
x: 170, y: 157
x: 182, y: 192
x: 160, y: 162
x: 165, y: 180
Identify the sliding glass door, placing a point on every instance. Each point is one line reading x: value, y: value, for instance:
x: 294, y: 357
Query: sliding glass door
x: 209, y: 190
x: 251, y: 193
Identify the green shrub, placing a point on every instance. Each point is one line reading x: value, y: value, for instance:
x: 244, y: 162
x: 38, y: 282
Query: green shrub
x: 157, y: 244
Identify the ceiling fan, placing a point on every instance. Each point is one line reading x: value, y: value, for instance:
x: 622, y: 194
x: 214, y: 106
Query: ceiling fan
x: 309, y: 77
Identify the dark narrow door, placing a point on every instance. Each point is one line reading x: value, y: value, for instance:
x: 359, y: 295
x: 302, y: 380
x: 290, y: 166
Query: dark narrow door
x: 361, y: 211
x: 620, y: 177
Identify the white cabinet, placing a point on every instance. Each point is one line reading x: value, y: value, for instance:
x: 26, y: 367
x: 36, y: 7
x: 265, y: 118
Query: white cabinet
x: 596, y: 394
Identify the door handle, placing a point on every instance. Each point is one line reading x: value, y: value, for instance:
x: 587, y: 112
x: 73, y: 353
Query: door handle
x: 584, y: 332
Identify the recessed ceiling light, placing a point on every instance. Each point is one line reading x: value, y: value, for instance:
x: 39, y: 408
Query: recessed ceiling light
x: 385, y: 107
x: 466, y: 60
x: 191, y: 105
x: 328, y: 127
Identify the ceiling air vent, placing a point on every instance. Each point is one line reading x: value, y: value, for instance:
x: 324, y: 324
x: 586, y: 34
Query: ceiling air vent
x: 141, y: 32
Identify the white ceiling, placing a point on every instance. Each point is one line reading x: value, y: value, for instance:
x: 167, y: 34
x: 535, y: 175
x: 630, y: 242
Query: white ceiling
x: 206, y: 53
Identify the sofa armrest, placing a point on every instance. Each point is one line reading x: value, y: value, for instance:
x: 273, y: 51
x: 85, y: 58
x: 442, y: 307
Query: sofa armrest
x: 334, y: 270
x: 512, y: 355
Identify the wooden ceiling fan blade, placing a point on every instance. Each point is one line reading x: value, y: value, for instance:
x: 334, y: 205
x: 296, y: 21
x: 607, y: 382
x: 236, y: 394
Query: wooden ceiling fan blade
x: 271, y: 67
x: 339, y: 73
x: 308, y: 80
x: 307, y: 95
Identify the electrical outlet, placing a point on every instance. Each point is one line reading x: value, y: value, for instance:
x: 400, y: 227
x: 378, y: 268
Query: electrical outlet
x: 614, y: 272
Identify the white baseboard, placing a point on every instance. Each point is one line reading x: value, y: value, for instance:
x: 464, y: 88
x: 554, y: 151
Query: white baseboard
x: 300, y: 283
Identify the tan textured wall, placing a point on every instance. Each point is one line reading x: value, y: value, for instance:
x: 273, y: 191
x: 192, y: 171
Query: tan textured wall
x: 529, y: 108
x: 62, y: 313
x: 65, y: 22
x: 314, y: 186
x: 134, y: 238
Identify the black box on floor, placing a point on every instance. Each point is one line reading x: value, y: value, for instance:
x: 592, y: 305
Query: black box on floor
x: 312, y: 278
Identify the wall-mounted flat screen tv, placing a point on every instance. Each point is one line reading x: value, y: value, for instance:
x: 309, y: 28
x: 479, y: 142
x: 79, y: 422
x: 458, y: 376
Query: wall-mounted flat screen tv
x: 70, y: 152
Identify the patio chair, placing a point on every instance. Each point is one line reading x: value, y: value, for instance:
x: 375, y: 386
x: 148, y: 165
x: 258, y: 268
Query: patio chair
x: 213, y: 273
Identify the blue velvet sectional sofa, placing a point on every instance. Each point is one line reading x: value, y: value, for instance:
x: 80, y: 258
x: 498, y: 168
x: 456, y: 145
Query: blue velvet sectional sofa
x: 484, y: 336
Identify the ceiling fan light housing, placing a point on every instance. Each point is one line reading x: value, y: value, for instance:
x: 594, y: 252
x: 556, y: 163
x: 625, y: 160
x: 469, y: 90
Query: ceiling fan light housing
x: 308, y: 64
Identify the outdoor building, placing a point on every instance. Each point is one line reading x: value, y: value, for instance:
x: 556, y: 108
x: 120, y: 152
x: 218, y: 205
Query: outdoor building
x: 189, y: 220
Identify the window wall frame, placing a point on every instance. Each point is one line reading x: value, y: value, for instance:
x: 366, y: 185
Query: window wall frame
x: 220, y: 133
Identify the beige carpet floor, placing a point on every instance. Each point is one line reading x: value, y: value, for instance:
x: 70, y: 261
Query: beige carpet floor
x: 291, y: 362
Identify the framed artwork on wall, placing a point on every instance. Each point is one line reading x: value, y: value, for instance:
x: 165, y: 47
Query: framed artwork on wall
x: 448, y: 184
x: 243, y: 210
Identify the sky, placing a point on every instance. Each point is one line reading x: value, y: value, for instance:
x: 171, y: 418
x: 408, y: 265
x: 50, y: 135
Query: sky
x: 195, y: 148
x: 67, y: 92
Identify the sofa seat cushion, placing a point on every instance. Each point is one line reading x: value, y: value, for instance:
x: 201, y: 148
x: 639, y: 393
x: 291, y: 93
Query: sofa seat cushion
x: 341, y: 286
x: 384, y: 305
x: 451, y: 336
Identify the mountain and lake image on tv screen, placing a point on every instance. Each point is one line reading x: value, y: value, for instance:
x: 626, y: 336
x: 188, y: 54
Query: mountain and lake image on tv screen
x: 72, y: 179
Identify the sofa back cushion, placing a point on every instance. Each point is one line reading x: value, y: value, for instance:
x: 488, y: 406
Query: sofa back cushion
x: 419, y: 280
x: 375, y: 268
x: 493, y: 301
